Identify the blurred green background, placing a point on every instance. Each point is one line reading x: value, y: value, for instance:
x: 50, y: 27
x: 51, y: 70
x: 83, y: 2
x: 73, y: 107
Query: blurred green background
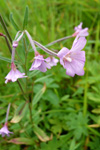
x: 69, y: 108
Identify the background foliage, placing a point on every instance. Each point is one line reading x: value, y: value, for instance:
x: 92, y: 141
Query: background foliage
x: 65, y: 109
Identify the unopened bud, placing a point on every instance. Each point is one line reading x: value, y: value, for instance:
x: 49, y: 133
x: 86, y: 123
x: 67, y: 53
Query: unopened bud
x: 15, y: 44
x: 1, y: 34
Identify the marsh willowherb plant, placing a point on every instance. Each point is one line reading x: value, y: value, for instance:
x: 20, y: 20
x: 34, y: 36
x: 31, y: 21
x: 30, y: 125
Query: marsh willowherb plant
x: 72, y: 60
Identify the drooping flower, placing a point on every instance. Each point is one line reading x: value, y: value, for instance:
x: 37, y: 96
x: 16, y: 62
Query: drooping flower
x: 73, y: 60
x: 4, y: 131
x: 80, y: 32
x: 14, y: 74
x: 51, y: 61
x: 39, y: 63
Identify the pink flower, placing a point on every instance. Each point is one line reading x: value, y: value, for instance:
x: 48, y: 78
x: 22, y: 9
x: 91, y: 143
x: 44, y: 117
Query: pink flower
x: 39, y: 63
x: 73, y: 60
x: 4, y: 131
x: 14, y: 74
x: 51, y: 61
x: 80, y: 32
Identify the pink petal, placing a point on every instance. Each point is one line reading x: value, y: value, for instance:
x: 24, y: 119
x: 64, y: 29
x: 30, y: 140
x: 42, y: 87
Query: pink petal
x: 78, y: 27
x: 51, y: 61
x: 63, y: 52
x: 43, y: 68
x: 84, y: 32
x: 39, y: 57
x: 70, y: 70
x: 78, y: 67
x: 78, y: 44
x: 13, y: 75
x: 80, y: 55
x: 36, y: 63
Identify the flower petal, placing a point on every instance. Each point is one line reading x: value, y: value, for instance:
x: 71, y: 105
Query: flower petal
x: 13, y: 75
x: 78, y: 44
x: 80, y: 55
x: 84, y: 32
x: 70, y: 70
x: 78, y: 27
x: 36, y: 63
x: 43, y: 68
x: 51, y: 61
x: 78, y: 67
x: 63, y: 52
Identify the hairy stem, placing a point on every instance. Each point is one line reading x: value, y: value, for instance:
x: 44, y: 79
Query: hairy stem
x: 45, y: 49
x: 59, y: 40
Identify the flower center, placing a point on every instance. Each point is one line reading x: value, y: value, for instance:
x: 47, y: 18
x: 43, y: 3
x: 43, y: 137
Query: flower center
x: 67, y: 58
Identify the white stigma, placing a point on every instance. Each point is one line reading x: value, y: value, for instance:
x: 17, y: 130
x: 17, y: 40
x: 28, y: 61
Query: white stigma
x: 68, y: 59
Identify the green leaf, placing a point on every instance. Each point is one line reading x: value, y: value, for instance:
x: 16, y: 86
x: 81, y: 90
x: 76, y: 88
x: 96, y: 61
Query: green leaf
x: 51, y: 145
x: 41, y: 134
x: 33, y: 73
x: 72, y: 146
x: 25, y: 18
x: 20, y: 112
x: 97, y: 110
x: 42, y: 78
x: 21, y: 140
x: 52, y: 97
x: 13, y: 22
x: 5, y: 59
x: 65, y: 97
x: 38, y: 95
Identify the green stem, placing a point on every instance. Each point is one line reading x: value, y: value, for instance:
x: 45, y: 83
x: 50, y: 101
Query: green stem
x: 85, y: 93
x: 10, y: 49
x: 5, y: 28
x: 25, y: 61
x: 30, y: 109
x: 30, y: 101
x: 22, y: 90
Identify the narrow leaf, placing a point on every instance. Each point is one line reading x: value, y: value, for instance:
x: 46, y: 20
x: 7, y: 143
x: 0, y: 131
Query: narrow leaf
x: 25, y: 18
x: 97, y: 110
x: 5, y: 59
x: 72, y: 146
x: 13, y: 22
x: 20, y: 113
x: 33, y: 73
x: 41, y: 134
x: 38, y: 95
x: 21, y: 140
x: 42, y: 78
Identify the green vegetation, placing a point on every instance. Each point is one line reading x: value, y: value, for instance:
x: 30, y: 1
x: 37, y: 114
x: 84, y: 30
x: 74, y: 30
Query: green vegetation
x: 65, y: 110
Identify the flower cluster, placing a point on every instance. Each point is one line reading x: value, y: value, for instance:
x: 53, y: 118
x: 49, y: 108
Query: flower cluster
x: 72, y: 60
